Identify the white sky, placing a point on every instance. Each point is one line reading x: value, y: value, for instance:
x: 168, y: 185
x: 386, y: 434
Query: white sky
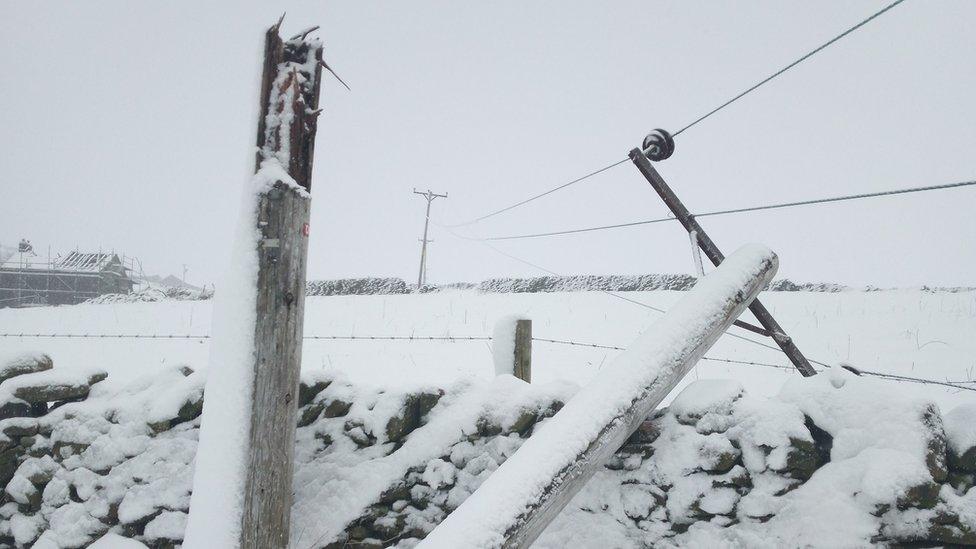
x: 129, y: 125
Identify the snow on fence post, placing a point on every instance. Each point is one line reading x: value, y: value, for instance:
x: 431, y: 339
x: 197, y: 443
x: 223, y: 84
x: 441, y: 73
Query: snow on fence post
x: 242, y: 489
x: 516, y: 503
x: 512, y: 347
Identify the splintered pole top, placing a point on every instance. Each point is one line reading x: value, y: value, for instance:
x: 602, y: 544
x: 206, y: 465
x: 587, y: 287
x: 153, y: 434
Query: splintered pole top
x: 290, y: 83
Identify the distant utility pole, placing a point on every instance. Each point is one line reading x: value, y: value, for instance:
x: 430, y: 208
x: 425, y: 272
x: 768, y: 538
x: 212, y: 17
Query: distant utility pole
x: 422, y: 277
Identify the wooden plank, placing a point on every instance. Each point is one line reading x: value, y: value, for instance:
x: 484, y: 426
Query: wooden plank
x: 289, y: 86
x: 523, y: 350
x: 516, y: 503
x: 715, y: 255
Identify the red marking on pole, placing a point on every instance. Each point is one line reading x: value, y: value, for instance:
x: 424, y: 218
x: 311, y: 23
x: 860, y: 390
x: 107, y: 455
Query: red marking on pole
x: 304, y: 229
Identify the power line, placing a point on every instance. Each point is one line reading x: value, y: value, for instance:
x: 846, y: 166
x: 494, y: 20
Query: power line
x: 808, y: 55
x: 540, y: 195
x: 696, y: 121
x: 740, y: 210
x: 841, y: 198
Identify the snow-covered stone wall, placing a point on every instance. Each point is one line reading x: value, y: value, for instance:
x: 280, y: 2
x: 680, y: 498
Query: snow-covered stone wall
x: 833, y: 460
x: 357, y: 286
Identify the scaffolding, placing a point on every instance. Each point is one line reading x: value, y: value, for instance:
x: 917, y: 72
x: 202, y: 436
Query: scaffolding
x: 27, y: 280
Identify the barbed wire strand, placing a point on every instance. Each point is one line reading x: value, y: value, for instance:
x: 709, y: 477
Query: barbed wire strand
x: 893, y: 377
x: 183, y: 336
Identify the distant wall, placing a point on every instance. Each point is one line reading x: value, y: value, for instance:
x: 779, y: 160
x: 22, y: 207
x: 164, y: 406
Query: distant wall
x: 581, y: 283
x: 532, y: 285
x: 542, y: 284
x: 357, y: 286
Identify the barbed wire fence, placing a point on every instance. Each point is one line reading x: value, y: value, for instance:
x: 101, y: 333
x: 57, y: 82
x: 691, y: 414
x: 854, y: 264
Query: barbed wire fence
x: 954, y: 384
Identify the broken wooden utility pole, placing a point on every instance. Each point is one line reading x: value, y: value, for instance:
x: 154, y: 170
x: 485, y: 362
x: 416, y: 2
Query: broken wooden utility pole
x: 286, y: 142
x: 516, y: 503
x: 659, y: 146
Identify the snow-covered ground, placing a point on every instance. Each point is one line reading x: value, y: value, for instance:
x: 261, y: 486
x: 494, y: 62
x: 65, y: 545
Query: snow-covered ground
x: 906, y: 332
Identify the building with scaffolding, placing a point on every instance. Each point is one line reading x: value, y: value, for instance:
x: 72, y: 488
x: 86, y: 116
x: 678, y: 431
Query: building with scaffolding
x: 27, y: 280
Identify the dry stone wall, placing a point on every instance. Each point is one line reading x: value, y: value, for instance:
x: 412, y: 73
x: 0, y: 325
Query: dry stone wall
x: 78, y: 460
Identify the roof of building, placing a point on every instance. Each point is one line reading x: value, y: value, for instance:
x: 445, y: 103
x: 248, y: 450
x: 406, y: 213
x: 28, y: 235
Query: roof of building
x: 85, y: 262
x: 74, y: 262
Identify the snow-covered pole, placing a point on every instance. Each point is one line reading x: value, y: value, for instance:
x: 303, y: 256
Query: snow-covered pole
x: 242, y: 491
x: 516, y: 503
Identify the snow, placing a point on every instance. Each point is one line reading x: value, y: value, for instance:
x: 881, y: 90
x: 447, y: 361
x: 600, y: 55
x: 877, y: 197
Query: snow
x: 115, y: 541
x: 143, y: 473
x: 884, y: 331
x: 888, y: 331
x: 503, y: 344
x: 714, y: 395
x: 169, y: 525
x: 880, y: 436
x: 837, y: 507
x: 866, y: 415
x: 346, y: 480
x: 960, y: 427
x: 218, y: 483
x: 54, y: 377
x: 20, y: 489
x: 483, y: 519
x: 12, y: 361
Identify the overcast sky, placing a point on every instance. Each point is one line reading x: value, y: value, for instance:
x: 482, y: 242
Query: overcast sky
x: 128, y: 126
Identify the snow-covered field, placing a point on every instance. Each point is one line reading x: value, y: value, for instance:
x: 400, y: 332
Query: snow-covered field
x: 348, y: 459
x: 906, y: 332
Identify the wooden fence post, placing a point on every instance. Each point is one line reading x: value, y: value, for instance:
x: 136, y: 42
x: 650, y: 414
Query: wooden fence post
x: 286, y: 136
x: 523, y: 350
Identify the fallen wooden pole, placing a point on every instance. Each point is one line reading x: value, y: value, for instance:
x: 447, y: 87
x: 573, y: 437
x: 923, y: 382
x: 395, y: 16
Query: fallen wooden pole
x: 516, y: 503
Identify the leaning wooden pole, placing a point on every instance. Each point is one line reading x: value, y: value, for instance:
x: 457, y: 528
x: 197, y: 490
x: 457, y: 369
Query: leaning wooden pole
x: 242, y: 489
x: 516, y: 503
x: 688, y: 221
